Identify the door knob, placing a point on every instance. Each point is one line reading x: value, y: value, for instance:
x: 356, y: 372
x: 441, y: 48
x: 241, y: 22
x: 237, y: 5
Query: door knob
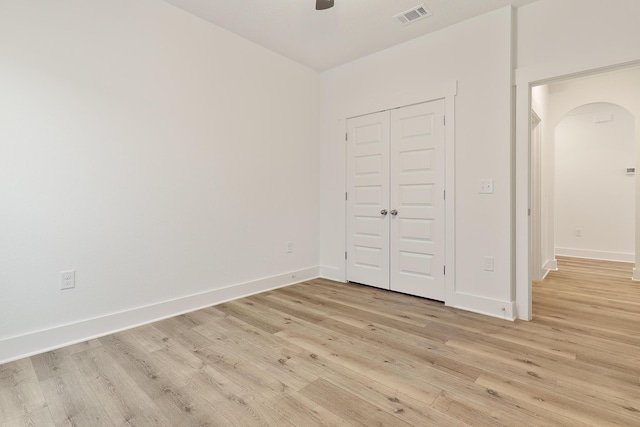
x: 394, y: 212
x: 383, y: 212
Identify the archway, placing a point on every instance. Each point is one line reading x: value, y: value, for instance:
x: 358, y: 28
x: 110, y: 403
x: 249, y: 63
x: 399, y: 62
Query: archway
x: 594, y: 187
x: 622, y: 88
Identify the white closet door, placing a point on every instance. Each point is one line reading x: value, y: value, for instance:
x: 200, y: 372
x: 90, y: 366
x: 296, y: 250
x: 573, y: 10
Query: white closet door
x: 368, y: 200
x: 417, y: 195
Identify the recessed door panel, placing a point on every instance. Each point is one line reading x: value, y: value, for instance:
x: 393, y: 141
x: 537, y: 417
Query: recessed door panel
x: 368, y: 257
x: 368, y: 227
x: 414, y: 265
x: 416, y: 161
x: 368, y: 195
x: 418, y: 125
x: 368, y: 165
x: 415, y: 195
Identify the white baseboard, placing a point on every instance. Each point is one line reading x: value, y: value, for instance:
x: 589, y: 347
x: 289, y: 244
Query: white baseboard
x: 603, y: 255
x: 487, y: 306
x: 636, y: 275
x: 544, y: 275
x: 332, y: 273
x: 26, y: 345
x: 550, y: 265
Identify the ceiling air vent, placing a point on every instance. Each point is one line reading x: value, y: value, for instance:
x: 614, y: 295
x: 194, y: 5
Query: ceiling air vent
x: 413, y: 14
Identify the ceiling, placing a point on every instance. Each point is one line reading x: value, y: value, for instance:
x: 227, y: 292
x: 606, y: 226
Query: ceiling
x: 328, y: 38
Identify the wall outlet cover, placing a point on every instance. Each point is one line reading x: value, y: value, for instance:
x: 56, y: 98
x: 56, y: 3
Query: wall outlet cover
x: 67, y: 279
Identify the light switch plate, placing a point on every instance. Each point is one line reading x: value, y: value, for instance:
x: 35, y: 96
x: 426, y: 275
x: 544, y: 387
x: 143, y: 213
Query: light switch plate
x: 486, y: 186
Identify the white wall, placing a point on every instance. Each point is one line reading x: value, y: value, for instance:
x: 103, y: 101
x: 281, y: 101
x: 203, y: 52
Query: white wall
x: 476, y: 54
x: 555, y: 39
x: 553, y: 31
x: 593, y: 193
x: 156, y: 154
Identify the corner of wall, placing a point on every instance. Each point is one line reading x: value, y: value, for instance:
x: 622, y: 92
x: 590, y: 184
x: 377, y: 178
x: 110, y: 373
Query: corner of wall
x: 332, y: 273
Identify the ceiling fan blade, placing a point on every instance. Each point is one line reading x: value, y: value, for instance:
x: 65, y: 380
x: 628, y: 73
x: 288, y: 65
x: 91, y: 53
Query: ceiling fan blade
x: 323, y: 4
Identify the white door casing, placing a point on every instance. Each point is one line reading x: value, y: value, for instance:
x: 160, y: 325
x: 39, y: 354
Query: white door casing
x: 395, y: 204
x: 368, y: 200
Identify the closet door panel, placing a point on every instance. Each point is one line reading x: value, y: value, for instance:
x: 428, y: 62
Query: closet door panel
x: 368, y: 200
x: 417, y: 227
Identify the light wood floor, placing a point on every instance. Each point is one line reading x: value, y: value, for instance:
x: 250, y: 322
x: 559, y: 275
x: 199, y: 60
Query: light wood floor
x: 324, y: 353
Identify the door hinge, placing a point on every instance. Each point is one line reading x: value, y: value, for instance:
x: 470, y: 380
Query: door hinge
x: 346, y: 136
x: 345, y: 255
x: 444, y: 120
x: 346, y: 197
x: 529, y: 211
x: 444, y: 194
x: 444, y: 270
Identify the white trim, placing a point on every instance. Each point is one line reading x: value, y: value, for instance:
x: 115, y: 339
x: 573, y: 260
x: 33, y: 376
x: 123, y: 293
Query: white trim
x: 450, y: 202
x: 544, y: 275
x: 550, y: 265
x: 526, y: 78
x: 536, y: 199
x: 487, y: 306
x: 603, y: 255
x: 523, y: 189
x: 26, y: 345
x: 636, y: 275
x: 429, y: 92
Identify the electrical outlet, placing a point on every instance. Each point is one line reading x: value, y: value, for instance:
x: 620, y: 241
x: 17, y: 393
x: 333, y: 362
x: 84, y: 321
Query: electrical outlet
x: 67, y: 279
x: 578, y: 232
x: 488, y: 263
x: 289, y: 247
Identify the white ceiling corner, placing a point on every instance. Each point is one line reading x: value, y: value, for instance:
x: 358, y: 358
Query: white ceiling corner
x: 325, y: 39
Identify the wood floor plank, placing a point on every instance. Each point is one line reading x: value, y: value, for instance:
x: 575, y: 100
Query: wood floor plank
x: 39, y: 418
x: 380, y: 394
x: 20, y: 392
x: 252, y: 412
x: 566, y: 407
x: 322, y: 353
x: 183, y: 406
x: 120, y: 396
x: 353, y: 409
x: 301, y: 411
x: 146, y: 373
x: 599, y: 396
x: 72, y: 402
x: 405, y: 382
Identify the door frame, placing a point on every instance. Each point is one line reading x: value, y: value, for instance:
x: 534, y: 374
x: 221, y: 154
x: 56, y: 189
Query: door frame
x: 431, y: 91
x: 526, y: 79
x: 535, y: 217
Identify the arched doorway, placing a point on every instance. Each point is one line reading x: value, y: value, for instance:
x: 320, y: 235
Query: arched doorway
x: 594, y: 187
x: 551, y: 101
